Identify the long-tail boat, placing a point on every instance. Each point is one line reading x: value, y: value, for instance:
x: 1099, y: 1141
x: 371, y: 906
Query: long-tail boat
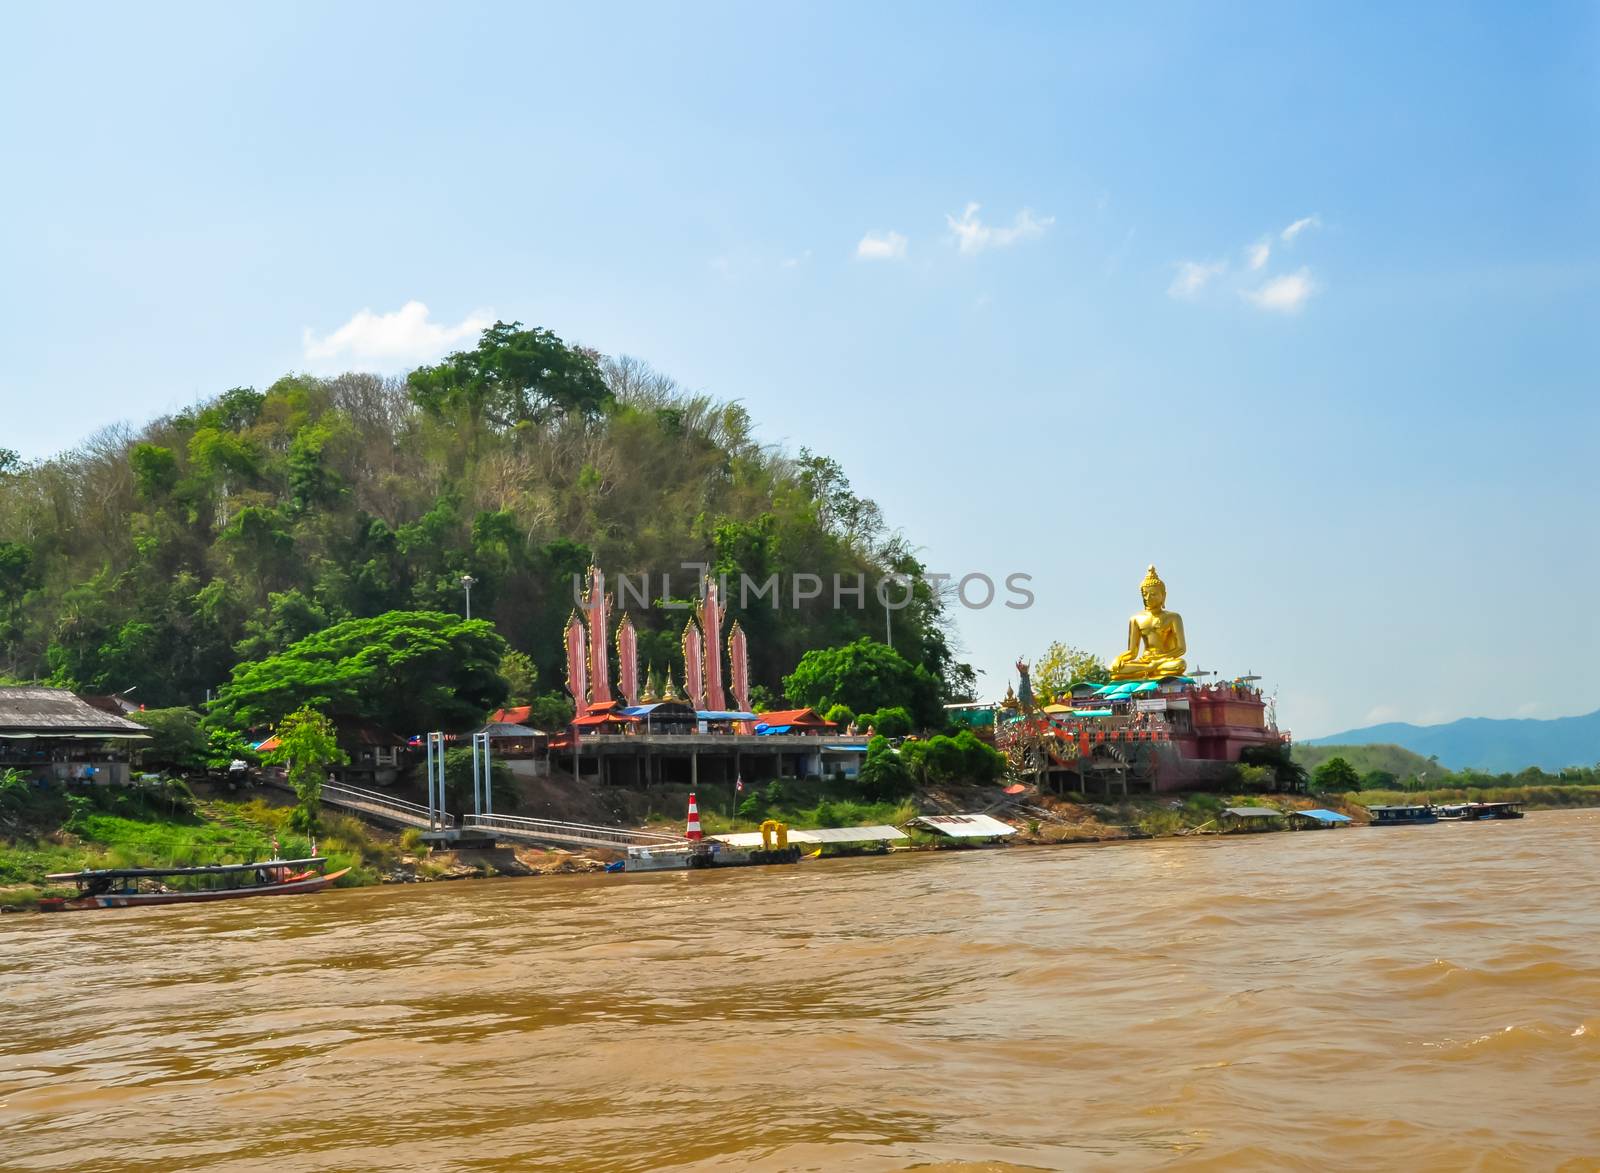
x: 134, y: 887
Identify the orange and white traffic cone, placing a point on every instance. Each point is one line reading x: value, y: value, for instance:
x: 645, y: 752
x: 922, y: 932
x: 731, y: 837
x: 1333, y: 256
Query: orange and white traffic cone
x: 693, y: 831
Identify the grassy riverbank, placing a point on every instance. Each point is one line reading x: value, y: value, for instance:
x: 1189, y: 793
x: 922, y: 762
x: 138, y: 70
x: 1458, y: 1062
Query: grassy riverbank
x: 53, y: 830
x: 1535, y: 798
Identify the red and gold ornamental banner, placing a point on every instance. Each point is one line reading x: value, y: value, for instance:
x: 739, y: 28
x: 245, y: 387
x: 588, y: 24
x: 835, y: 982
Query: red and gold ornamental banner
x: 628, y: 660
x: 598, y: 608
x: 577, y: 662
x: 739, y: 667
x: 712, y: 612
x: 693, y: 664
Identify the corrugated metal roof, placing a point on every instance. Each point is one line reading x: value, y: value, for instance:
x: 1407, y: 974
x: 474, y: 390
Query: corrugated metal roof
x: 1252, y: 812
x: 55, y: 710
x: 1325, y: 816
x: 965, y: 826
x: 878, y: 834
x: 508, y: 729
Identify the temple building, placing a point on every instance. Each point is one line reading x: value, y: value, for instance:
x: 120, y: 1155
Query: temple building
x: 1151, y: 727
x: 703, y: 733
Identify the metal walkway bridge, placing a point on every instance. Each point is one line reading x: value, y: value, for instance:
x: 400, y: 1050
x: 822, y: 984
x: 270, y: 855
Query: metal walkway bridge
x: 386, y: 808
x: 567, y: 834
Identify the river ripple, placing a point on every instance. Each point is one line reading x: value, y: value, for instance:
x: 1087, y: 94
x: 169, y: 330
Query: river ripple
x: 1424, y: 997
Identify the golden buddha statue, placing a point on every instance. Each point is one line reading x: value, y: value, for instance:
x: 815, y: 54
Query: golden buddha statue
x: 1155, y: 637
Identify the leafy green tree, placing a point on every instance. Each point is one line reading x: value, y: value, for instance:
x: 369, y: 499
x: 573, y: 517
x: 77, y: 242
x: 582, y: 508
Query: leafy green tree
x: 521, y: 677
x: 176, y: 740
x: 551, y: 711
x: 840, y: 715
x: 962, y: 759
x: 290, y: 617
x: 894, y: 721
x: 458, y: 781
x: 1289, y: 774
x: 1336, y: 775
x: 884, y: 775
x: 155, y: 470
x: 512, y: 376
x: 223, y: 747
x: 1378, y: 780
x: 866, y: 676
x: 981, y: 763
x: 405, y: 670
x: 307, y: 746
x: 1060, y: 667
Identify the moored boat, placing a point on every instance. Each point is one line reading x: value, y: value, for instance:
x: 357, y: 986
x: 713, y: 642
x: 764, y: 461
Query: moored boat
x: 1477, y: 811
x: 135, y: 887
x: 1399, y: 815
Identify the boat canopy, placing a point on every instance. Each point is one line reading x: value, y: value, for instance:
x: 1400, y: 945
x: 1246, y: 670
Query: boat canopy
x: 221, y: 869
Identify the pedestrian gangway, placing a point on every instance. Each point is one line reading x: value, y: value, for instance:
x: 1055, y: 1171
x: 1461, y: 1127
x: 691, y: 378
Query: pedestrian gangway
x: 383, y: 807
x: 567, y: 834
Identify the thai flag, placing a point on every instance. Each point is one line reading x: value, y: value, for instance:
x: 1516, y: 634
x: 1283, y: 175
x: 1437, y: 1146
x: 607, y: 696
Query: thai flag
x: 738, y: 784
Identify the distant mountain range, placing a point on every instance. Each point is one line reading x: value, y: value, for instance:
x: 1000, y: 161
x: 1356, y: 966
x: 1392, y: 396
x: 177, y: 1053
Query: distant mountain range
x: 1496, y: 745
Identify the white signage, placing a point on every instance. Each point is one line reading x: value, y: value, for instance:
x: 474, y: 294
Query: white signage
x: 1159, y: 705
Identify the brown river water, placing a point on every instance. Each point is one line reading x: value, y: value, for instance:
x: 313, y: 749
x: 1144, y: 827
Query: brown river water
x: 1417, y: 998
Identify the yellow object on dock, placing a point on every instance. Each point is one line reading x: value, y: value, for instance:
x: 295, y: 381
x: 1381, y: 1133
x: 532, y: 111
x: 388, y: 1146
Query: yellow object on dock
x: 772, y: 829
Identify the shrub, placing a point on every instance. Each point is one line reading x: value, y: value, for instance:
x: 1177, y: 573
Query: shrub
x: 840, y: 715
x: 890, y: 722
x: 884, y: 775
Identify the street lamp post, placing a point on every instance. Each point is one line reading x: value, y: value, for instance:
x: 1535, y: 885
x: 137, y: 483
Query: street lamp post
x: 466, y: 584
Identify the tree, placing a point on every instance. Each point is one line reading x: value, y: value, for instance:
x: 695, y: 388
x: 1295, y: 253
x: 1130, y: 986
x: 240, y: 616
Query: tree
x: 155, y: 469
x: 1378, y: 780
x: 176, y: 739
x: 1288, y: 773
x: 1336, y: 775
x: 512, y: 376
x: 551, y: 711
x: 307, y: 746
x: 839, y: 715
x: 458, y: 781
x: 521, y: 677
x: 865, y: 676
x: 408, y: 671
x: 1061, y: 667
x: 890, y: 722
x: 883, y: 774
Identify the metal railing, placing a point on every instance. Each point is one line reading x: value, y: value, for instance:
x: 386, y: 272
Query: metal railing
x: 581, y: 834
x: 412, y: 814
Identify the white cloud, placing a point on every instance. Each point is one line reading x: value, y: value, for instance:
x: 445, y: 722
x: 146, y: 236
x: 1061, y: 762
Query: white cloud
x: 973, y: 235
x: 881, y: 246
x: 1258, y: 253
x: 390, y: 342
x: 1192, y: 277
x: 1283, y: 295
x: 1299, y: 226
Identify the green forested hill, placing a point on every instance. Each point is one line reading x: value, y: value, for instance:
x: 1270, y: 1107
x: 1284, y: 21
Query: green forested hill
x: 1393, y: 759
x: 162, y: 556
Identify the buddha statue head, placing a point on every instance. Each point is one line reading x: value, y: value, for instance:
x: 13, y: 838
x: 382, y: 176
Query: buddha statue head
x: 1153, y: 591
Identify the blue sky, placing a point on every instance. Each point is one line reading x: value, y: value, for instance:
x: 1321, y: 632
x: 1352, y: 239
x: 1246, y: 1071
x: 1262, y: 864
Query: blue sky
x: 1360, y: 451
